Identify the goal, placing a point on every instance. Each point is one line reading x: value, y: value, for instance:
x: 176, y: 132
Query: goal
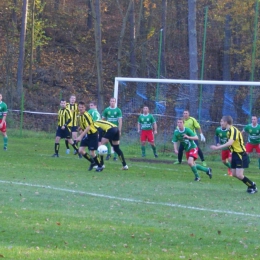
x: 206, y: 100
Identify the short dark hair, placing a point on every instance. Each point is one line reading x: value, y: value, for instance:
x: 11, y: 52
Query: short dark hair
x: 93, y: 102
x: 228, y: 119
x: 62, y: 100
x: 180, y: 119
x: 82, y: 103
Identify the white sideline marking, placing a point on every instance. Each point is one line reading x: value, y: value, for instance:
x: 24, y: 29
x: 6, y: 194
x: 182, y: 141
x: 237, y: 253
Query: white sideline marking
x: 133, y: 200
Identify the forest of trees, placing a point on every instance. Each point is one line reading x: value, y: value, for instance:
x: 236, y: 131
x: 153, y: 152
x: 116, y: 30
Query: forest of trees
x: 80, y: 46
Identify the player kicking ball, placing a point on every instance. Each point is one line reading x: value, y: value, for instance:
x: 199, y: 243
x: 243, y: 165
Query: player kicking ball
x: 187, y: 137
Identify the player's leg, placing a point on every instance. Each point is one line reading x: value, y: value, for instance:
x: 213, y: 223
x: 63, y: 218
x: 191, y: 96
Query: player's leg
x: 257, y: 149
x: 201, y: 155
x: 143, y: 142
x: 150, y: 138
x: 226, y: 159
x: 56, y: 146
x: 108, y: 151
x: 74, y: 135
x: 180, y: 154
x: 83, y: 144
x: 237, y: 163
x: 120, y: 154
x: 192, y: 165
x: 5, y: 138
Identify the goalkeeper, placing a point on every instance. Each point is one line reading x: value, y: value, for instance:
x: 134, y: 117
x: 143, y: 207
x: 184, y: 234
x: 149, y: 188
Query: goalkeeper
x: 192, y: 123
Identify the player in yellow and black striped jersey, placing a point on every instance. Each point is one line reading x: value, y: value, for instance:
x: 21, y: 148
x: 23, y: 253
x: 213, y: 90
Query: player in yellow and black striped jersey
x: 108, y: 132
x: 240, y: 159
x: 63, y: 129
x: 73, y: 107
x: 88, y: 137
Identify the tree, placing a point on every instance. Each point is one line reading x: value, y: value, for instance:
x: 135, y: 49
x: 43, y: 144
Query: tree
x: 98, y: 46
x: 193, y: 51
x: 121, y: 36
x: 22, y: 49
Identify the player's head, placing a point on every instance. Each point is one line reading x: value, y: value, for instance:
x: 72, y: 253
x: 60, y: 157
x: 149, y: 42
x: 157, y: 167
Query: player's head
x: 186, y: 114
x: 72, y: 99
x: 254, y: 120
x: 180, y: 123
x: 145, y: 110
x: 112, y: 102
x: 93, y: 105
x: 226, y: 121
x: 63, y: 103
x: 81, y: 107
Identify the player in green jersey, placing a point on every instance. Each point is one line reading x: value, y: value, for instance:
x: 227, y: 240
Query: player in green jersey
x: 148, y: 127
x: 253, y: 140
x: 222, y: 138
x: 192, y: 123
x: 93, y: 111
x: 187, y: 138
x: 3, y: 114
x: 112, y: 114
x: 239, y: 159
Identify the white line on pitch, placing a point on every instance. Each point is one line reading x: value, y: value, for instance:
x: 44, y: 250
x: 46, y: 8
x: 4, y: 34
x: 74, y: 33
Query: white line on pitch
x: 133, y: 200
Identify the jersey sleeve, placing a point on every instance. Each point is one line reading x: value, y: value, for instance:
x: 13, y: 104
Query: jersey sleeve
x: 196, y: 123
x: 119, y: 113
x: 174, y: 137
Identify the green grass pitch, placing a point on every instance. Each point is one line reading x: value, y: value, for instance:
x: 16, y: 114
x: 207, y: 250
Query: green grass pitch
x: 54, y: 208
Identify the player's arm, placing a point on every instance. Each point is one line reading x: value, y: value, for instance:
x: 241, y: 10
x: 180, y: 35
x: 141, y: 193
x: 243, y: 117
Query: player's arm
x: 227, y: 144
x: 217, y: 140
x: 138, y: 127
x: 120, y: 121
x: 155, y: 128
x: 197, y: 127
x: 175, y: 147
x: 195, y: 137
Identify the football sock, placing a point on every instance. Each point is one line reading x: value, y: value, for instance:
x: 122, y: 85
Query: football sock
x: 101, y: 159
x: 120, y: 154
x: 247, y: 182
x: 67, y: 144
x: 194, y: 170
x: 56, y: 148
x: 200, y: 153
x: 143, y: 149
x: 97, y: 161
x: 5, y: 141
x: 227, y: 164
x: 108, y: 145
x: 88, y: 157
x: 75, y: 147
x: 154, y: 148
x: 201, y: 168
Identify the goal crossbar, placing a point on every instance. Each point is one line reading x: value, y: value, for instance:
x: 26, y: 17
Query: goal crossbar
x: 183, y: 81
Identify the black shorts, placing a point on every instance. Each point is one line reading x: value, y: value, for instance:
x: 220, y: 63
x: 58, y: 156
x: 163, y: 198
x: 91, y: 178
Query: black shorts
x: 90, y: 141
x: 112, y: 134
x: 63, y: 133
x: 74, y: 129
x: 239, y: 160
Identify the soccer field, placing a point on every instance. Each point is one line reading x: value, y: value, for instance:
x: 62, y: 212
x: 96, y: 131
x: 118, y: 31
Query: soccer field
x: 54, y: 208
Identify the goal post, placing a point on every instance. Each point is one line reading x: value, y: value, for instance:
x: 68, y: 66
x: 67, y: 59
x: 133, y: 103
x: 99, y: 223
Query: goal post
x: 207, y: 101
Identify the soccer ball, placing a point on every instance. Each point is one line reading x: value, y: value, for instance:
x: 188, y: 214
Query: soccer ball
x: 102, y: 149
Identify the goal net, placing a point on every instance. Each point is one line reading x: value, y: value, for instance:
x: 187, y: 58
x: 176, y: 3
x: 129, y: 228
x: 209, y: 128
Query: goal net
x: 206, y: 100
